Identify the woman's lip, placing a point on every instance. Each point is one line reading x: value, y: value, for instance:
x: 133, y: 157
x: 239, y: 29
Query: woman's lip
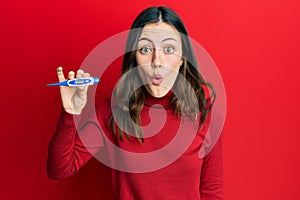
x: 157, y: 79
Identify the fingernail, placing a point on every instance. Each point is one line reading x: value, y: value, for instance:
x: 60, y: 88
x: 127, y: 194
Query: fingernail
x: 59, y: 69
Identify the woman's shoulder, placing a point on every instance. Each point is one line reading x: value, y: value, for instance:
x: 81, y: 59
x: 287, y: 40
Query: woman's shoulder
x: 208, y: 94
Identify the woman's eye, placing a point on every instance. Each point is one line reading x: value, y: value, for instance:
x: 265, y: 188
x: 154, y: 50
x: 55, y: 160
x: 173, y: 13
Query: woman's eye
x: 145, y: 50
x: 169, y: 49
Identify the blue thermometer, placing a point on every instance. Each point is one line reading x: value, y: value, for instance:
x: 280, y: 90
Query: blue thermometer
x: 77, y: 82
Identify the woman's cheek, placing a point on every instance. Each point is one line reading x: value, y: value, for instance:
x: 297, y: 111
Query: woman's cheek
x: 143, y: 59
x: 144, y: 73
x: 174, y: 62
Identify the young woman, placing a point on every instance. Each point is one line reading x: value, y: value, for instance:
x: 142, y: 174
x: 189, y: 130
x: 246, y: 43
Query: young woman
x: 159, y: 110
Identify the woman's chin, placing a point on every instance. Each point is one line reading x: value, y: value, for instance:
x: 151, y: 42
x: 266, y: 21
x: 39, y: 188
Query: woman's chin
x: 157, y: 91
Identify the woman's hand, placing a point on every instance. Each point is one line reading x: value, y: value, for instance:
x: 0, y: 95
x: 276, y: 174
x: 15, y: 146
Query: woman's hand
x: 73, y: 98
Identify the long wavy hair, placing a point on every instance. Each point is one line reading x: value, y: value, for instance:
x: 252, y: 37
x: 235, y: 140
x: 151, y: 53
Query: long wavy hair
x: 129, y: 97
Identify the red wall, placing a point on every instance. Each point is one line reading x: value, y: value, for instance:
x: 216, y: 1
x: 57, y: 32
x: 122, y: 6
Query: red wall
x: 254, y: 43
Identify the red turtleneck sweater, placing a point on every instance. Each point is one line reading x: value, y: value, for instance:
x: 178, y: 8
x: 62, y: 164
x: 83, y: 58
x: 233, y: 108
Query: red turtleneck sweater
x: 165, y: 166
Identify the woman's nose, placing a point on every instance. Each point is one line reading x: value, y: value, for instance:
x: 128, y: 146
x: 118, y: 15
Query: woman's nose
x: 157, y: 58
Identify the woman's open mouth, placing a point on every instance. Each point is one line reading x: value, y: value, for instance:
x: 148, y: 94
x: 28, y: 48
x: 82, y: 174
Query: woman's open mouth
x: 157, y: 79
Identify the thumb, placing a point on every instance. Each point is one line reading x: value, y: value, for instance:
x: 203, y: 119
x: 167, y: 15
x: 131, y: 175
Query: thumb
x: 60, y: 74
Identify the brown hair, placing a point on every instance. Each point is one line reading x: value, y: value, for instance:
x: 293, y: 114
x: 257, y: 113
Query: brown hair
x: 129, y: 96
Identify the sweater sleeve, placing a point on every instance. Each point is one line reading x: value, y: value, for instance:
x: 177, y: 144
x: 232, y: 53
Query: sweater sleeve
x: 212, y: 173
x: 70, y: 149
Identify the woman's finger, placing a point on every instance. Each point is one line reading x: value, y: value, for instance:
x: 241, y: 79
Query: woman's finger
x: 86, y: 75
x: 80, y: 73
x: 60, y: 74
x: 86, y: 87
x: 71, y: 75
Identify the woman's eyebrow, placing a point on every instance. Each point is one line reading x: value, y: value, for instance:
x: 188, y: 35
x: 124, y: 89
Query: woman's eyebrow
x: 166, y: 39
x: 145, y: 39
x: 169, y: 39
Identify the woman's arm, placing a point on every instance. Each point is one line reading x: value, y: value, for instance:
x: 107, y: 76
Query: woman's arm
x: 70, y: 149
x: 212, y: 173
x: 67, y: 150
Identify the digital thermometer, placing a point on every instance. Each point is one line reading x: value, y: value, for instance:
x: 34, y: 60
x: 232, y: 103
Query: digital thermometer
x: 77, y: 82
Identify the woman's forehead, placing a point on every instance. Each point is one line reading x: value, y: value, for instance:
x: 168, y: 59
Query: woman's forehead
x: 160, y: 31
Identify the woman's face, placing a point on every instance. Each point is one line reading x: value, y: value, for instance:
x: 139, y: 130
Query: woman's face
x: 159, y: 57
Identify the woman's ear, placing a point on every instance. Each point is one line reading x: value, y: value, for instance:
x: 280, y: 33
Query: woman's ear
x: 181, y: 61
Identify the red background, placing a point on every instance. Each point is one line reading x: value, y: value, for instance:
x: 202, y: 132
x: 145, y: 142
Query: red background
x: 255, y: 45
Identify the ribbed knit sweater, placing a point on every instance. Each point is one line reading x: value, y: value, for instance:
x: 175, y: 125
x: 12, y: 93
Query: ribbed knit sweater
x: 167, y: 164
